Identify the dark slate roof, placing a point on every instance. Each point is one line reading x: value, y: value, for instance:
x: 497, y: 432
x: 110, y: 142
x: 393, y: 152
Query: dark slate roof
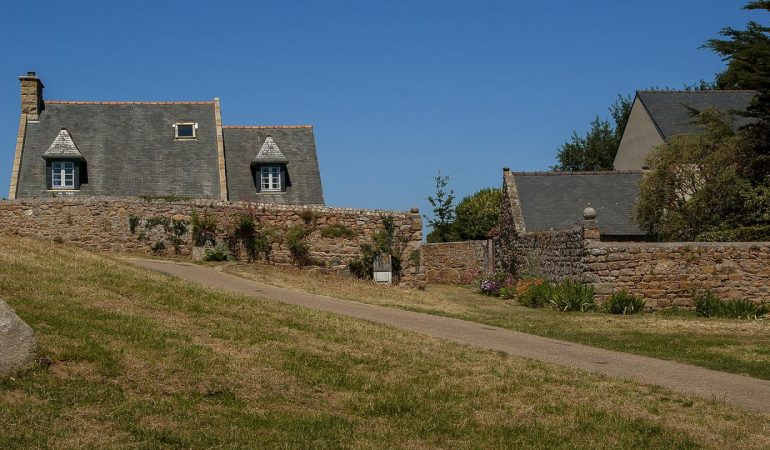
x: 296, y: 143
x: 269, y: 153
x: 670, y: 110
x: 554, y: 200
x: 129, y: 148
x: 63, y: 147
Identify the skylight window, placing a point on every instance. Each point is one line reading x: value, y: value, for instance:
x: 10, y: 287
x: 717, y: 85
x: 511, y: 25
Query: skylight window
x: 185, y: 130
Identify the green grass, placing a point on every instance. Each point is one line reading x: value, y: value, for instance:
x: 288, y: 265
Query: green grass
x: 136, y: 359
x: 738, y: 346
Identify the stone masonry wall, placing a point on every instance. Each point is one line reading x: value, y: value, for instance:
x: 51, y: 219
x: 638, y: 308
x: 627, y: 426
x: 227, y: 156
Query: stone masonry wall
x: 666, y: 274
x: 552, y: 255
x: 104, y: 224
x: 452, y: 262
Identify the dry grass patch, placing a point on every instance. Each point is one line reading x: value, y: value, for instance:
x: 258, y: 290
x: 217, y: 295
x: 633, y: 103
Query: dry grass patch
x: 145, y: 360
x: 721, y: 344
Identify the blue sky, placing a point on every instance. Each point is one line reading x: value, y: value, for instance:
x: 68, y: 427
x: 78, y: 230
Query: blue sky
x: 396, y: 90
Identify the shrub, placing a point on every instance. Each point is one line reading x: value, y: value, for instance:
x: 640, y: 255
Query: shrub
x: 133, y: 222
x: 298, y: 246
x: 158, y: 248
x: 490, y: 284
x: 624, y: 303
x: 742, y: 308
x: 571, y: 295
x: 477, y: 214
x: 737, y: 234
x: 508, y: 292
x: 708, y: 305
x: 386, y: 241
x: 534, y: 293
x: 204, y: 229
x: 337, y: 231
x: 220, y: 252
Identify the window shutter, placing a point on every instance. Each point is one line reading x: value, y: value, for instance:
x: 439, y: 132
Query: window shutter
x: 255, y: 173
x: 76, y: 175
x: 48, y: 175
x: 283, y: 177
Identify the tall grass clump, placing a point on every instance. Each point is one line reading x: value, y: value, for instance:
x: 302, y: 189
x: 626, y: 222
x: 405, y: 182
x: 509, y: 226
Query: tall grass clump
x: 570, y: 295
x: 623, y: 302
x: 709, y: 305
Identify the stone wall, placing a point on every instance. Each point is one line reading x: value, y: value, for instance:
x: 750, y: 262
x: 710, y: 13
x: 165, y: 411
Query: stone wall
x: 137, y: 226
x: 454, y: 262
x: 552, y: 255
x: 667, y: 274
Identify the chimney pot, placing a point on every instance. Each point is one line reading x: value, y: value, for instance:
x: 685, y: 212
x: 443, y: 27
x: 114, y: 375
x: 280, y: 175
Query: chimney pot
x: 31, y: 74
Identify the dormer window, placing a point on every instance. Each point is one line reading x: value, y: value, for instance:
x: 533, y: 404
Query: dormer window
x: 185, y: 130
x: 62, y: 175
x: 269, y: 168
x: 270, y: 178
x: 64, y: 164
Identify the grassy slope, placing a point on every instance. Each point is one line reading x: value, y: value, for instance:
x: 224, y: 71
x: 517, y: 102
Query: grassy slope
x: 139, y: 359
x: 721, y: 344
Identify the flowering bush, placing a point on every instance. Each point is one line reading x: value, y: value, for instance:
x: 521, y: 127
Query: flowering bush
x: 497, y: 284
x: 490, y: 287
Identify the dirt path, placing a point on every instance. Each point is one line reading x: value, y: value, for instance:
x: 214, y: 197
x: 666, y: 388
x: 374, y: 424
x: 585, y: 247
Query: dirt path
x: 734, y: 389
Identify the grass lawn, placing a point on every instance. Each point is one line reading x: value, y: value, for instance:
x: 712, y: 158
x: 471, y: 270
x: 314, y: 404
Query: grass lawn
x: 722, y: 344
x: 136, y: 359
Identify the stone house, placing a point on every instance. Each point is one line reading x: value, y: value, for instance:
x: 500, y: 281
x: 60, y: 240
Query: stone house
x: 543, y: 201
x: 128, y: 149
x: 657, y: 115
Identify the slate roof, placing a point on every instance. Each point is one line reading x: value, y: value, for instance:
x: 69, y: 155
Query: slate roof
x: 554, y: 200
x: 269, y: 153
x: 129, y: 148
x: 296, y: 144
x: 670, y: 111
x: 63, y: 147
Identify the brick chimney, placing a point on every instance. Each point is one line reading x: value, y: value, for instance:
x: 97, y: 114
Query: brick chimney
x: 31, y: 95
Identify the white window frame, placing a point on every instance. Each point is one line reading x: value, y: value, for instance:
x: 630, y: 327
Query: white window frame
x: 270, y: 178
x: 62, y: 169
x: 194, y: 126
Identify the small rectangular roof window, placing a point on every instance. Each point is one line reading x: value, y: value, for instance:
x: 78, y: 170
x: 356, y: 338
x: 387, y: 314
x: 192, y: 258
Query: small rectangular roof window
x: 185, y: 130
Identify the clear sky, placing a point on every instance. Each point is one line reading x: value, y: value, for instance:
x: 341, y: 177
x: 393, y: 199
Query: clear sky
x: 396, y: 90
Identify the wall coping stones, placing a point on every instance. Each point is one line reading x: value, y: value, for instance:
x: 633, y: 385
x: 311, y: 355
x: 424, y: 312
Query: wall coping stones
x: 202, y: 202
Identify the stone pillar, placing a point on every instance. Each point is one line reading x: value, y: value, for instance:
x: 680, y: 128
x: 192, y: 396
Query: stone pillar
x: 590, y: 226
x: 31, y: 95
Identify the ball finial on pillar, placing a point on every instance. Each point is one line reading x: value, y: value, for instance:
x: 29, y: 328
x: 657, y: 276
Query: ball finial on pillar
x: 589, y: 213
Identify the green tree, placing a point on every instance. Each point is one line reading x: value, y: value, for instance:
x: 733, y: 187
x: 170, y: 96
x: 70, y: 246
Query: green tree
x: 477, y: 214
x: 442, y: 222
x: 596, y: 151
x: 747, y: 53
x: 695, y: 184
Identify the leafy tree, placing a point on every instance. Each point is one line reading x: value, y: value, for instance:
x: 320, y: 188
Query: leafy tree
x: 596, y: 151
x: 477, y: 214
x: 443, y: 212
x: 695, y: 184
x: 747, y: 53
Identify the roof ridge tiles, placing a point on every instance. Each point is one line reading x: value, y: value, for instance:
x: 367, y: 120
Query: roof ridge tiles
x: 567, y: 173
x: 78, y: 102
x: 259, y: 127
